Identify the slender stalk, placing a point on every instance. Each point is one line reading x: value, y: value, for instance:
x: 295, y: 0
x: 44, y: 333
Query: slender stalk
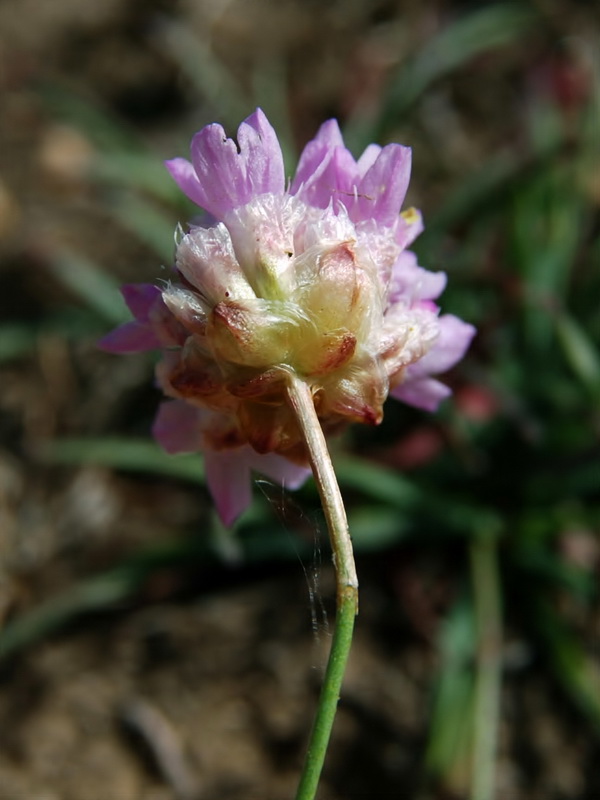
x: 301, y: 402
x: 488, y: 615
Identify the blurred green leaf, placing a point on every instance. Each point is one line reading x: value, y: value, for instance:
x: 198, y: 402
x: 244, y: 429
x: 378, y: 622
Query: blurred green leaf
x: 454, y: 46
x: 100, y: 126
x: 93, y: 595
x: 213, y: 81
x: 376, y: 527
x: 141, y: 171
x: 580, y: 351
x: 96, y: 288
x: 472, y: 196
x: 16, y: 340
x: 545, y: 126
x: 577, y: 672
x: 126, y: 454
x: 547, y: 221
x: 271, y: 93
x: 376, y: 482
x: 100, y: 592
x: 449, y: 740
x: 153, y: 227
x: 105, y: 591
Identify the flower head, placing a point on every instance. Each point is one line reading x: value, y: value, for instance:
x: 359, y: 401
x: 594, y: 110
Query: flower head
x: 312, y: 280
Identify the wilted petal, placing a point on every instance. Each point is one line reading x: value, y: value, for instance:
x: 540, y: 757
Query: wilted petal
x: 205, y: 257
x: 319, y: 229
x: 262, y: 234
x: 186, y: 307
x: 408, y: 335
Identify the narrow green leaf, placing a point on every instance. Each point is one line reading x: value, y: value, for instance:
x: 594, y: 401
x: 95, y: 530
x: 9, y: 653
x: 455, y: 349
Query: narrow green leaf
x: 126, y: 454
x: 98, y: 124
x: 450, y: 734
x: 99, y: 290
x: 457, y: 44
x: 93, y: 595
x: 376, y: 527
x: 375, y: 481
x: 100, y: 592
x: 141, y: 171
x: 194, y: 54
x: 16, y: 340
x: 580, y: 351
x: 579, y: 674
x: 153, y: 227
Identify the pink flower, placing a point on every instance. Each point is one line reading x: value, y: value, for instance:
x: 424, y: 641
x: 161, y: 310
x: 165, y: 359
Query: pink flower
x: 314, y: 280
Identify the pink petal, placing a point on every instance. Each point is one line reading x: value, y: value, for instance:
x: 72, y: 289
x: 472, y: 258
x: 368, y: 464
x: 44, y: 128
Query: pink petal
x: 419, y: 388
x: 206, y: 259
x: 367, y: 159
x: 140, y: 298
x: 264, y: 161
x: 177, y: 427
x: 220, y: 171
x: 228, y: 178
x: 408, y: 229
x: 335, y: 180
x: 453, y: 341
x: 425, y: 393
x: 229, y: 481
x: 383, y: 188
x: 184, y: 175
x: 412, y: 283
x: 309, y: 182
x: 279, y: 469
x: 131, y: 337
x: 315, y: 152
x: 329, y: 135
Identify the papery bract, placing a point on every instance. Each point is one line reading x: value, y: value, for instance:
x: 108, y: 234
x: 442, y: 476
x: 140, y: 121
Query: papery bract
x: 314, y: 281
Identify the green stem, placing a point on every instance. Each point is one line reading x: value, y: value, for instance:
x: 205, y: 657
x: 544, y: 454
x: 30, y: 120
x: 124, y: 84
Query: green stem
x: 488, y: 613
x: 301, y: 402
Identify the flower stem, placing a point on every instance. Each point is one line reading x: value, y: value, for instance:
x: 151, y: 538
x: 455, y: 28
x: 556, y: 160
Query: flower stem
x: 301, y: 402
x: 488, y: 613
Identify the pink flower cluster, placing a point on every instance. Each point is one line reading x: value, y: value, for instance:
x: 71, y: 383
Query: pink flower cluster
x: 313, y: 278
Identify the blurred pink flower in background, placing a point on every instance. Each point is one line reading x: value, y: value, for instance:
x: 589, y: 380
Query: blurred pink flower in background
x: 314, y: 280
